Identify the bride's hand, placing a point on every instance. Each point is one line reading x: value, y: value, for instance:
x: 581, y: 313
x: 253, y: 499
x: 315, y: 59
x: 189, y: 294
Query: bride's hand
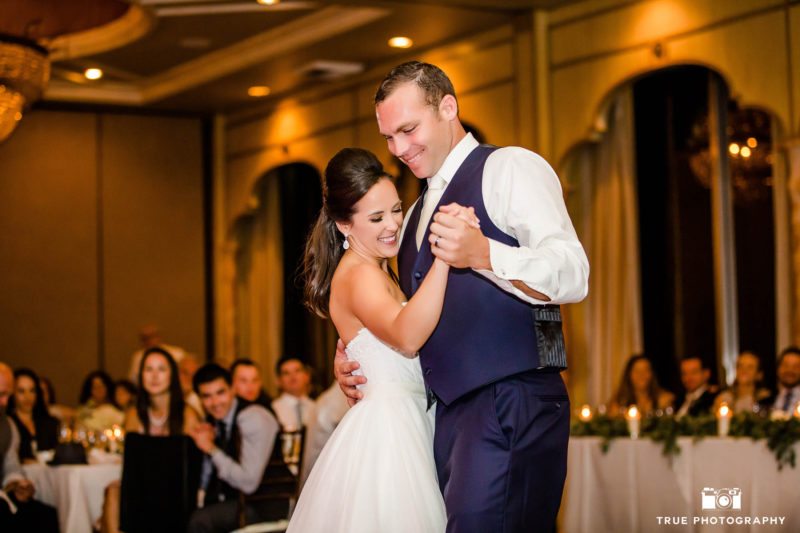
x: 467, y: 214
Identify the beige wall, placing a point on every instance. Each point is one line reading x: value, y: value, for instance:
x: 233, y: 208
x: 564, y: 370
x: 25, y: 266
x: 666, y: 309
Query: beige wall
x: 102, y: 231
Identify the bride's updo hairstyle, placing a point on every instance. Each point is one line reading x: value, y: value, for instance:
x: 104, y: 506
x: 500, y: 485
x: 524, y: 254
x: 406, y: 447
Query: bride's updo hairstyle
x: 350, y: 174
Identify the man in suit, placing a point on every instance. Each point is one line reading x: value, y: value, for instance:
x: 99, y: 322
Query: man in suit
x: 699, y: 397
x: 788, y: 381
x: 493, y: 362
x: 239, y: 441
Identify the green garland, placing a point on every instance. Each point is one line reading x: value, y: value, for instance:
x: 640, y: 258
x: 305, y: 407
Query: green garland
x: 781, y: 435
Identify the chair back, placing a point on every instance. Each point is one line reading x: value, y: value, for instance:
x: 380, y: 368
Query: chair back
x: 160, y: 480
x: 281, y: 481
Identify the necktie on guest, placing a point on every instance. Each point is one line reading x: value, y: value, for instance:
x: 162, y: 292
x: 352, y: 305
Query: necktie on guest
x: 432, y: 196
x: 788, y: 400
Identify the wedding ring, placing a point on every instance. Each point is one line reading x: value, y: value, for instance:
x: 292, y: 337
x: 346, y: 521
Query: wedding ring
x: 436, y: 242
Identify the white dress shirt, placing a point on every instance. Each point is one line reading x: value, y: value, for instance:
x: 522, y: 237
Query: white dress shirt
x: 291, y: 411
x: 258, y: 429
x: 780, y: 400
x: 523, y: 198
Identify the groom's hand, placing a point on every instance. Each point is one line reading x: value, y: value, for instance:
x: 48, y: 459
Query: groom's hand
x: 457, y: 242
x: 343, y: 370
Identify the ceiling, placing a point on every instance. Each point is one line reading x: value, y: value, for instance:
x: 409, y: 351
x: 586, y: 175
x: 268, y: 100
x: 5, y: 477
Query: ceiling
x: 203, y: 55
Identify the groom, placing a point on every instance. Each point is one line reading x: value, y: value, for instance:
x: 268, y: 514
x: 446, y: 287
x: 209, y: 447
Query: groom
x: 493, y: 362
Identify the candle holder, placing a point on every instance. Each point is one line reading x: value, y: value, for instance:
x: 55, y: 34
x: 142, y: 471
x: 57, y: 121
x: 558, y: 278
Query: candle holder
x: 634, y: 419
x: 724, y: 415
x: 585, y: 414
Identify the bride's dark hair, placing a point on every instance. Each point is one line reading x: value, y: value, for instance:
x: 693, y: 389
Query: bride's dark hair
x: 350, y: 174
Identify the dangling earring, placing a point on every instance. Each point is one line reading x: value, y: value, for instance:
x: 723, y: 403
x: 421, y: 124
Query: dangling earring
x: 346, y: 244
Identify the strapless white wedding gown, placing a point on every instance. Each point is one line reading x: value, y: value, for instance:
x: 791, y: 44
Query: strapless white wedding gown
x: 376, y: 473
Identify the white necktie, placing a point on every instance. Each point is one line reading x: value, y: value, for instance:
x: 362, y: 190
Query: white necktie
x: 432, y: 197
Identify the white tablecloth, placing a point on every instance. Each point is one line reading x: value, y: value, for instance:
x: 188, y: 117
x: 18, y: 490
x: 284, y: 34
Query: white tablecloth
x: 627, y: 489
x: 77, y: 491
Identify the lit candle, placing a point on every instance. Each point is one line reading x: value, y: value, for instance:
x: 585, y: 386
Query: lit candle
x: 634, y: 417
x: 797, y: 410
x: 724, y: 416
x: 585, y: 414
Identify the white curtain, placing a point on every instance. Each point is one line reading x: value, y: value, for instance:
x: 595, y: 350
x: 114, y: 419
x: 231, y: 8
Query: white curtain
x: 605, y: 329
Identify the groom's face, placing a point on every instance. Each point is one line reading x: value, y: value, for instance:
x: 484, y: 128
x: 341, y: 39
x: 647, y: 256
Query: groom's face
x: 416, y: 132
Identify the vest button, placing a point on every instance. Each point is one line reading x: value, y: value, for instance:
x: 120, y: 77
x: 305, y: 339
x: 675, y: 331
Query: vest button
x: 417, y: 275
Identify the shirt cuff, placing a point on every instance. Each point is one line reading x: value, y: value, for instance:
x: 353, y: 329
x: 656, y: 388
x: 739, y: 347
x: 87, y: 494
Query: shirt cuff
x: 502, y: 258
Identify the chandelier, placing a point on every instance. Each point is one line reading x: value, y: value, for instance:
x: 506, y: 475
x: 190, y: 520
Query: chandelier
x: 749, y: 151
x: 24, y: 73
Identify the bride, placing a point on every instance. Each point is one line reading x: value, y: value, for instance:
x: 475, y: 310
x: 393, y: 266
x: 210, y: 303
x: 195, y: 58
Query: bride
x: 376, y: 473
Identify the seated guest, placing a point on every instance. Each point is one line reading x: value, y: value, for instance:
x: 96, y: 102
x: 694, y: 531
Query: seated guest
x: 63, y: 413
x: 160, y: 411
x: 187, y: 367
x: 18, y: 510
x: 97, y: 412
x: 124, y: 395
x: 745, y: 395
x: 293, y: 407
x: 239, y: 442
x: 699, y: 397
x: 150, y: 337
x: 247, y: 383
x: 160, y: 407
x: 37, y: 429
x: 788, y: 380
x: 329, y: 409
x: 640, y: 387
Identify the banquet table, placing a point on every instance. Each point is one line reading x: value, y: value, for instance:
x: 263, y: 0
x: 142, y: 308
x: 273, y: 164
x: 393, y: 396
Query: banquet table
x: 633, y: 488
x: 76, y: 491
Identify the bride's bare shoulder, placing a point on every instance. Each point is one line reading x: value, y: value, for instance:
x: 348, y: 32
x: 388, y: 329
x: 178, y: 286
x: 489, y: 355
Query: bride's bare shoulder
x: 356, y: 275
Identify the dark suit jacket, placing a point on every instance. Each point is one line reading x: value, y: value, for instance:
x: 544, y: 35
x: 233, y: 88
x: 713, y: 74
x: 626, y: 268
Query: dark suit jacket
x: 46, y: 436
x: 701, y: 406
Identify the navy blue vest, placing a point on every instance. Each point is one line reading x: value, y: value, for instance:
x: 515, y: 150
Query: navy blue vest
x: 485, y: 334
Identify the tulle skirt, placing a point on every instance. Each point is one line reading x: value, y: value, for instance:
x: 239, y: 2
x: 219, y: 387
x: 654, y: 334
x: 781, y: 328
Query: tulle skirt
x: 376, y: 474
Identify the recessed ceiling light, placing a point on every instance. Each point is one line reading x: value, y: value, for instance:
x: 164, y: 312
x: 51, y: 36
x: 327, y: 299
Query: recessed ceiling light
x: 93, y: 73
x: 258, y: 91
x: 400, y: 42
x: 268, y: 2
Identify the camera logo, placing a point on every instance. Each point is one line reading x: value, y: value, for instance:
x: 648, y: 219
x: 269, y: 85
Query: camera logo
x: 724, y: 499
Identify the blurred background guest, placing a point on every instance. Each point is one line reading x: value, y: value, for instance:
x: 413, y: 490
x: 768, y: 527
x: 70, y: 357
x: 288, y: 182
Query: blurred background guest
x: 293, y: 407
x: 699, y: 396
x: 247, y: 382
x: 124, y: 395
x: 97, y: 411
x: 38, y: 429
x: 160, y: 407
x: 788, y: 380
x: 160, y: 411
x: 15, y: 490
x: 186, y: 369
x: 240, y: 441
x: 746, y: 393
x: 63, y: 413
x: 329, y: 409
x: 639, y: 386
x: 150, y: 337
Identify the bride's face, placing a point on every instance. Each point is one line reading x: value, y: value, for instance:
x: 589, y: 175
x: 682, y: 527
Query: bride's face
x: 374, y: 230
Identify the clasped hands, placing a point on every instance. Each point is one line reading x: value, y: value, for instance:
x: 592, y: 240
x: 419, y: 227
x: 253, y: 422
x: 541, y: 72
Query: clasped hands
x: 22, y: 489
x: 456, y: 239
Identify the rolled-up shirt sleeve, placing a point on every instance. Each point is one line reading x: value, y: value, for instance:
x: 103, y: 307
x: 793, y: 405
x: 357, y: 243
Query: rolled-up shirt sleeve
x: 523, y: 198
x: 258, y: 429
